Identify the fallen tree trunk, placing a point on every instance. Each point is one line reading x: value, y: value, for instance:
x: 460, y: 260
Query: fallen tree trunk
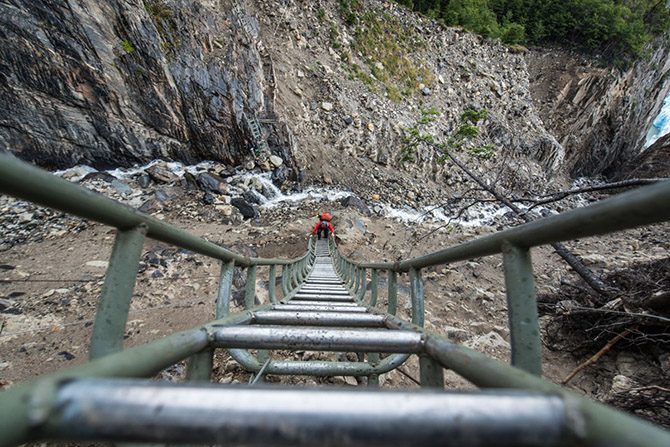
x: 573, y: 261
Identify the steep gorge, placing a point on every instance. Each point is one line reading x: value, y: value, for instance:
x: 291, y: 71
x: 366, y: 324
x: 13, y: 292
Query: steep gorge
x: 123, y: 82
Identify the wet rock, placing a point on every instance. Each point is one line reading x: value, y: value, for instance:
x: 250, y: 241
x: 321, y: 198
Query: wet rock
x: 211, y: 183
x: 280, y: 175
x: 247, y: 210
x: 144, y: 180
x: 208, y: 199
x: 161, y: 174
x: 100, y: 175
x: 251, y: 197
x: 356, y: 203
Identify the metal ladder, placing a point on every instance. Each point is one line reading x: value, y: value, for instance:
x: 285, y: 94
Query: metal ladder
x: 324, y: 306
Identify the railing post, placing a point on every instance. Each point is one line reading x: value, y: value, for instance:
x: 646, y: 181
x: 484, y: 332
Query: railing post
x: 285, y: 275
x: 362, y: 284
x: 357, y: 280
x: 200, y: 366
x: 431, y: 372
x: 117, y: 291
x: 392, y: 292
x: 374, y: 284
x: 250, y: 288
x: 225, y: 289
x: 272, y: 295
x: 522, y: 309
x: 373, y: 379
x: 416, y: 292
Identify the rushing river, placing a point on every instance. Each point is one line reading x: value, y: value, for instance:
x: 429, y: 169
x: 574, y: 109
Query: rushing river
x: 268, y: 195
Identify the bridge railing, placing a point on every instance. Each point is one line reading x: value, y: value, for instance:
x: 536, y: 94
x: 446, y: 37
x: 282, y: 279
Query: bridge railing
x: 643, y: 206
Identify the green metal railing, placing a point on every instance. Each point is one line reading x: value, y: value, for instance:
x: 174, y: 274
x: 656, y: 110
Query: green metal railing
x: 30, y: 411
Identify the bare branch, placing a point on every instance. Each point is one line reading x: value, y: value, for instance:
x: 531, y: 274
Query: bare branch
x: 596, y: 356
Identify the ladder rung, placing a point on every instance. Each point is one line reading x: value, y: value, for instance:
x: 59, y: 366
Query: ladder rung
x: 319, y: 339
x: 344, y: 319
x: 322, y: 297
x: 125, y: 410
x: 319, y: 308
x: 324, y: 302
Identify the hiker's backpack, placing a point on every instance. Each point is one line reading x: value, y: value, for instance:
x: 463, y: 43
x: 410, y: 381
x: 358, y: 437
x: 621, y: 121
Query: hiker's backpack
x: 326, y: 217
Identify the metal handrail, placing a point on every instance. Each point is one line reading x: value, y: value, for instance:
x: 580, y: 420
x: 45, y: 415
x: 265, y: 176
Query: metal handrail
x: 27, y: 182
x: 34, y: 410
x: 643, y: 206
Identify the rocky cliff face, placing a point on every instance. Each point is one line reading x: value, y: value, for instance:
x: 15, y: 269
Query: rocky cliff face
x: 117, y: 82
x: 600, y: 115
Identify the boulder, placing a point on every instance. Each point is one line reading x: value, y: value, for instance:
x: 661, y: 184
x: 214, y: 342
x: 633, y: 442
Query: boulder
x: 280, y: 175
x: 143, y: 180
x: 356, y: 203
x: 121, y: 187
x: 211, y: 183
x: 161, y: 174
x: 247, y: 210
x: 100, y: 175
x: 208, y: 199
x: 276, y: 161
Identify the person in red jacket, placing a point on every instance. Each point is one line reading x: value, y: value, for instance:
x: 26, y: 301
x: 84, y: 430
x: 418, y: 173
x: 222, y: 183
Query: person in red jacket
x: 323, y: 226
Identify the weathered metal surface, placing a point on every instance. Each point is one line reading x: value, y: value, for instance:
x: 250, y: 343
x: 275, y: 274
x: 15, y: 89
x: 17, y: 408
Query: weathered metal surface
x: 314, y: 339
x: 272, y: 284
x: 374, y: 285
x: 598, y: 425
x: 225, y: 289
x: 416, y: 296
x: 24, y: 408
x: 117, y: 292
x: 199, y: 367
x: 431, y: 372
x: 140, y: 410
x: 250, y: 288
x: 298, y: 318
x: 522, y: 309
x: 392, y: 280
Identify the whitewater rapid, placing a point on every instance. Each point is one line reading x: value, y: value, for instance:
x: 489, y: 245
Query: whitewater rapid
x: 661, y: 125
x: 269, y: 196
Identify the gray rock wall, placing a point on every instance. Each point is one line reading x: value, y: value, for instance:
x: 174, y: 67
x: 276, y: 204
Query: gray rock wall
x: 600, y: 115
x: 116, y: 82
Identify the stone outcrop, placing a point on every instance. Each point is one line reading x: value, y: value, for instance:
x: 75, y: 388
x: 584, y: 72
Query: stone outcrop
x: 119, y: 82
x: 601, y: 116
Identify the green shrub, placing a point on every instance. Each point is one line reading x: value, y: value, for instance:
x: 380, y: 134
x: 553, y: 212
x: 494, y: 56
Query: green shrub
x: 127, y: 46
x: 618, y: 29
